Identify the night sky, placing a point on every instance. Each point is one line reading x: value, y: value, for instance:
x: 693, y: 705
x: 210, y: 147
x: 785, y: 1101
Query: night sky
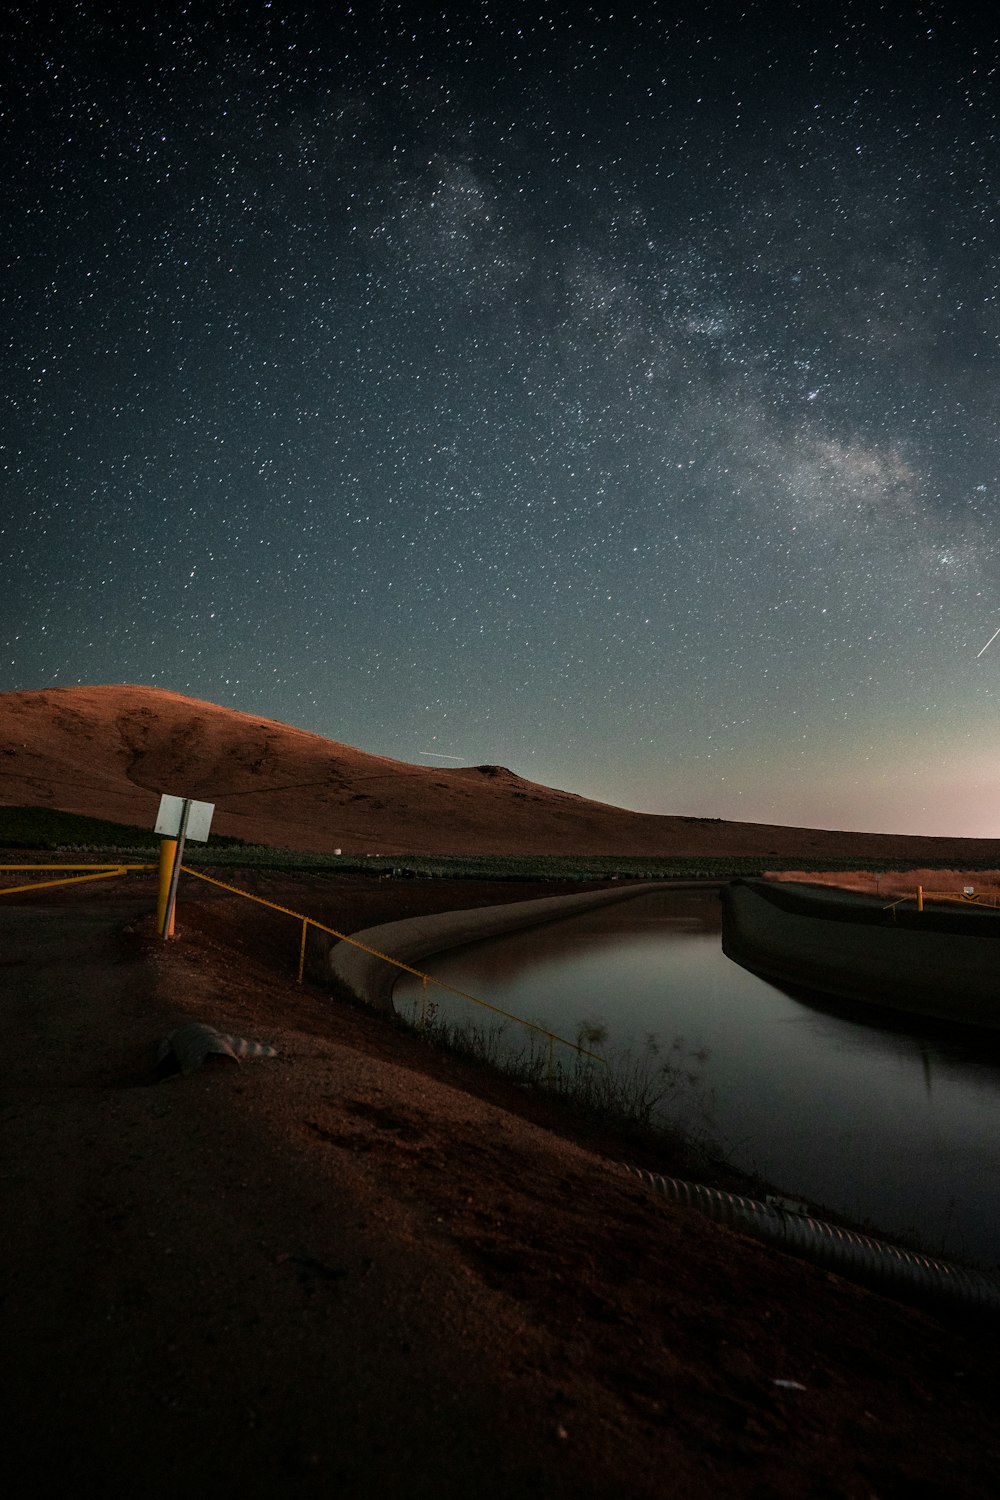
x: 614, y: 396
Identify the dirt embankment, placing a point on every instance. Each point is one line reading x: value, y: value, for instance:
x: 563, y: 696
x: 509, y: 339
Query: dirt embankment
x: 362, y: 1267
x: 902, y: 884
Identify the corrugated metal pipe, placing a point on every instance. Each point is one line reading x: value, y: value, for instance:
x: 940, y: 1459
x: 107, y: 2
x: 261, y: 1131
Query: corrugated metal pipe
x: 885, y: 1268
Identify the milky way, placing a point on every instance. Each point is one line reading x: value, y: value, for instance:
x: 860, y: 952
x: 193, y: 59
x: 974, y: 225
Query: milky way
x: 613, y: 398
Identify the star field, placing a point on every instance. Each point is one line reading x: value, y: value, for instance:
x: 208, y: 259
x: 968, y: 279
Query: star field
x: 609, y: 394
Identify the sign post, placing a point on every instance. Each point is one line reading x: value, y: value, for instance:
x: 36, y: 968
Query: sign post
x: 179, y: 819
x: 168, y: 848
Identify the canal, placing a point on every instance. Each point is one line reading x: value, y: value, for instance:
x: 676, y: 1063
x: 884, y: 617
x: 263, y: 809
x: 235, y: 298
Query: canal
x: 890, y: 1122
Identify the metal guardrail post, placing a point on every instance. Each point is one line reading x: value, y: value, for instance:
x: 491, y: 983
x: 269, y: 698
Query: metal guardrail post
x: 302, y: 948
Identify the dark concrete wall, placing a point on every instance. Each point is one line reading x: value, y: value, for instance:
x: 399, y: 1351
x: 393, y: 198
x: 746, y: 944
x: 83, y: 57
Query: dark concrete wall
x: 950, y: 975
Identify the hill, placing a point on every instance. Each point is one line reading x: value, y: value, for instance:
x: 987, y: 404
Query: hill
x: 110, y: 751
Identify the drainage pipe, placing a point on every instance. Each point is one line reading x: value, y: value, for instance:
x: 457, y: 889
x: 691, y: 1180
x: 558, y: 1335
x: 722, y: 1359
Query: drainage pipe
x: 856, y: 1257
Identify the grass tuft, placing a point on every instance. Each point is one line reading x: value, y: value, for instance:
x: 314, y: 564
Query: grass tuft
x: 652, y: 1091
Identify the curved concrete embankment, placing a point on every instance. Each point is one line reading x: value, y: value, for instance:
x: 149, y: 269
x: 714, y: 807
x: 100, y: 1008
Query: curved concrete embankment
x: 373, y: 980
x: 941, y: 964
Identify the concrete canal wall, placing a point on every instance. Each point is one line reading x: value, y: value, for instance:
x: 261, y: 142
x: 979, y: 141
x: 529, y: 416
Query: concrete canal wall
x: 942, y: 963
x: 373, y: 980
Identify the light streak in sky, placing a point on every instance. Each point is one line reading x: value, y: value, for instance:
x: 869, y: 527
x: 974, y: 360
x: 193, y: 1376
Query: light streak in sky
x: 988, y: 643
x: 436, y: 754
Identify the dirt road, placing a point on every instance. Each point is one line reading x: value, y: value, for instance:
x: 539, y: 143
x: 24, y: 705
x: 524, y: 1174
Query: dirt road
x: 360, y: 1268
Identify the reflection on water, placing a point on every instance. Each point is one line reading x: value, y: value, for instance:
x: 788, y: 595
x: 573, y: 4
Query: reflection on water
x: 888, y: 1122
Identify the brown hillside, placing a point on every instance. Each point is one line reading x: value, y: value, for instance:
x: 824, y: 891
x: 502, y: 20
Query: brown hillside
x: 110, y: 751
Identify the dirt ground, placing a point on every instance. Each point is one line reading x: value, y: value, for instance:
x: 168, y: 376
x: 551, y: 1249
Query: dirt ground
x: 947, y: 885
x: 363, y: 1267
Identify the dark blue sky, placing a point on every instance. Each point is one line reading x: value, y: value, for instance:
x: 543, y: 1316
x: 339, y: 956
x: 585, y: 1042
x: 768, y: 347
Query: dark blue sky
x: 613, y: 398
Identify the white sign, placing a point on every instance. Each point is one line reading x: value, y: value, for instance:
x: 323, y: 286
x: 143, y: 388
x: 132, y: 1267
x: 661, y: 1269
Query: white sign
x: 199, y: 819
x: 969, y: 890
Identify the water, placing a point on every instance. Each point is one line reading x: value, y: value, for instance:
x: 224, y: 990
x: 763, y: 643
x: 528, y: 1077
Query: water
x: 893, y: 1125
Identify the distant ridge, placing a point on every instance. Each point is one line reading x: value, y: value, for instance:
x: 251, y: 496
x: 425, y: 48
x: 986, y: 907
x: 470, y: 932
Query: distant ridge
x: 109, y: 751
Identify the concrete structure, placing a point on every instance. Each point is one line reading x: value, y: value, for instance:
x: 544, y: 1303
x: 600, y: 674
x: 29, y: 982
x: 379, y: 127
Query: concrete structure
x: 373, y: 980
x: 943, y: 962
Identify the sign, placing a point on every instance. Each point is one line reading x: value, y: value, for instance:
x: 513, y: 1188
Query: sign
x: 969, y: 890
x: 171, y: 815
x: 179, y: 819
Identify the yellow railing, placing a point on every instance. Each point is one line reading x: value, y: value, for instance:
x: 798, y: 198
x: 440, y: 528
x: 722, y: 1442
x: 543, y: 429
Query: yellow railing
x: 427, y: 979
x: 98, y: 872
x: 960, y: 898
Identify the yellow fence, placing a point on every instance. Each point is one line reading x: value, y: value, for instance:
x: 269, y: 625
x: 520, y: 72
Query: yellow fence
x: 97, y: 872
x: 307, y: 922
x: 959, y: 898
